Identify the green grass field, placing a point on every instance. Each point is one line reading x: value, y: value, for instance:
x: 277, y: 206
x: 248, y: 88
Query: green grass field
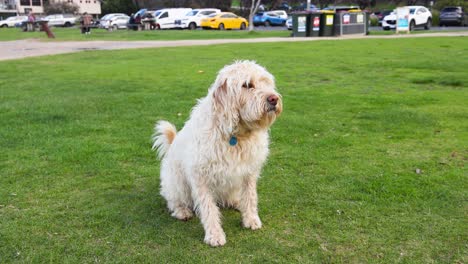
x: 367, y: 163
x: 73, y: 34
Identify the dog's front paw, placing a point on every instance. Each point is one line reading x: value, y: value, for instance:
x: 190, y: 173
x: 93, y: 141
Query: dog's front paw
x: 215, y: 239
x: 252, y: 222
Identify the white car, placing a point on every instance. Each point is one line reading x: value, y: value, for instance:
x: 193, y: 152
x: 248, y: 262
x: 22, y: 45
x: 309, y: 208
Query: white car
x: 280, y: 13
x: 289, y: 24
x: 170, y: 17
x: 13, y: 21
x: 419, y: 16
x: 114, y: 22
x: 193, y: 18
x: 61, y: 20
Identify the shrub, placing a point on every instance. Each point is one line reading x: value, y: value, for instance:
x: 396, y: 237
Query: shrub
x: 435, y: 17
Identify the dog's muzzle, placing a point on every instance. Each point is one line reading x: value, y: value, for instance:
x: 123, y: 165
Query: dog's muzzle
x: 272, y: 101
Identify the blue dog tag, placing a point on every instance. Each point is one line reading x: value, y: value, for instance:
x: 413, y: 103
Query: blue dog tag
x: 233, y: 141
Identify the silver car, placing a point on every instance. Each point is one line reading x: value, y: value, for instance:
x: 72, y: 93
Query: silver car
x: 114, y: 22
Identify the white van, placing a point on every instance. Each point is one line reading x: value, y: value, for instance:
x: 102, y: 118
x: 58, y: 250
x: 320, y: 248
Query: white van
x: 165, y: 18
x: 192, y: 19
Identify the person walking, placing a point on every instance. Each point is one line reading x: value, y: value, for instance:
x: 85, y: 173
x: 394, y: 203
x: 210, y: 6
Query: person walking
x: 30, y: 22
x: 87, y: 20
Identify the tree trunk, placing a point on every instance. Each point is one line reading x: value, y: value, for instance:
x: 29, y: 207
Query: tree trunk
x: 253, y: 10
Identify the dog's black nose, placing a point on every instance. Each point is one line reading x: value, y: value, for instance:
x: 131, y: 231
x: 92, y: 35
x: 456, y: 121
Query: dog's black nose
x: 272, y: 99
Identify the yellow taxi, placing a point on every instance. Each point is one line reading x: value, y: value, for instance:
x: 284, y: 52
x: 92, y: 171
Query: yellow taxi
x: 224, y: 20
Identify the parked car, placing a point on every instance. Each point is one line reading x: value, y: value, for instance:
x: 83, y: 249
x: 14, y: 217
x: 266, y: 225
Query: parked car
x: 343, y: 8
x: 13, y: 21
x: 268, y: 19
x: 379, y: 15
x: 453, y: 15
x: 419, y: 16
x: 303, y: 7
x: 167, y: 17
x: 61, y: 20
x: 107, y: 16
x: 280, y: 13
x: 284, y: 6
x: 114, y: 22
x: 224, y: 20
x: 289, y: 23
x: 192, y: 20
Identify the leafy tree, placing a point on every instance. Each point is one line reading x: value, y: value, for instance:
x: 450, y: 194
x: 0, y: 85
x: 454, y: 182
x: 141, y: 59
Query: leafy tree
x: 443, y: 3
x: 363, y: 4
x: 61, y: 8
x: 118, y: 6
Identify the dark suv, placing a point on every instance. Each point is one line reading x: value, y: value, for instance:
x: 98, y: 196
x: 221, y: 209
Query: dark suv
x: 453, y: 15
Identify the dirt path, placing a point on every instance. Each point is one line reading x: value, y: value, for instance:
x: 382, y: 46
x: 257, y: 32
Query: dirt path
x: 18, y: 49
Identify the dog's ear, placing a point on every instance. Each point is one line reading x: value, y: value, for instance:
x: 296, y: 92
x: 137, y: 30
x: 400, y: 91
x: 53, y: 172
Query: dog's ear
x: 220, y: 94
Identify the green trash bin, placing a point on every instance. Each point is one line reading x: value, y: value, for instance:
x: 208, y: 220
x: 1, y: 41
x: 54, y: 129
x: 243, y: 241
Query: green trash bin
x: 314, y: 24
x: 327, y: 21
x: 300, y: 24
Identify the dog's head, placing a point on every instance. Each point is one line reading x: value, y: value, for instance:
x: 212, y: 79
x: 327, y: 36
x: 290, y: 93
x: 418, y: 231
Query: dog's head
x: 246, y: 91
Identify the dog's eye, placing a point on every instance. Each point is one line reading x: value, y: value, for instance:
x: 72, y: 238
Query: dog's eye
x: 248, y: 85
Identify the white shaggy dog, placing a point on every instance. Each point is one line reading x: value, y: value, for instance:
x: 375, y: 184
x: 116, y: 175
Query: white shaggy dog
x: 217, y: 156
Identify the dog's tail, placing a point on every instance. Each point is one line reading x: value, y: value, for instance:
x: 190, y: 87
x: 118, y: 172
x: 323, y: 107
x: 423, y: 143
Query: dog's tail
x: 164, y: 134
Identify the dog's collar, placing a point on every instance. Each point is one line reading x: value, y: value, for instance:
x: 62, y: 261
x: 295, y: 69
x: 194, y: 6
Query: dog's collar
x: 233, y: 140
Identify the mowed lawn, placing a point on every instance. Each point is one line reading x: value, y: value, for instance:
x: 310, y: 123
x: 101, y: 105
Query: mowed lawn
x: 74, y: 34
x: 368, y: 160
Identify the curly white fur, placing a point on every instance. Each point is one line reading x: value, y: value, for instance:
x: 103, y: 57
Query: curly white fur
x: 200, y: 170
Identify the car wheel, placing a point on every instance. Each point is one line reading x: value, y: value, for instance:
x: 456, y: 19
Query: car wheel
x: 428, y: 24
x: 221, y: 26
x: 67, y: 24
x: 267, y: 23
x: 4, y: 26
x: 192, y: 26
x: 412, y: 25
x: 242, y: 26
x: 386, y: 28
x: 115, y: 27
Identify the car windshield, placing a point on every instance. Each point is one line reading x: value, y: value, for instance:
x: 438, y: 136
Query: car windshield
x: 107, y: 16
x: 212, y: 15
x: 450, y: 9
x: 192, y: 13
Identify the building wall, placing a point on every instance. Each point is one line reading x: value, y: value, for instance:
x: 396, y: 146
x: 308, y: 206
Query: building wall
x: 24, y: 6
x: 92, y: 7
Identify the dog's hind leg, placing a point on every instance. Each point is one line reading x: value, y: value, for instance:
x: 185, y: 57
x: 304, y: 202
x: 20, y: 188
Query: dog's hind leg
x: 176, y: 192
x: 248, y: 203
x: 181, y: 212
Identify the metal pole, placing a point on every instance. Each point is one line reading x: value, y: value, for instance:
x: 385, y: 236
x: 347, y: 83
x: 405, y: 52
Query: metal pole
x: 308, y: 5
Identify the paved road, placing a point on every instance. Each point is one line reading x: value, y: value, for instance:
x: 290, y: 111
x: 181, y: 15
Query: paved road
x: 30, y: 48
